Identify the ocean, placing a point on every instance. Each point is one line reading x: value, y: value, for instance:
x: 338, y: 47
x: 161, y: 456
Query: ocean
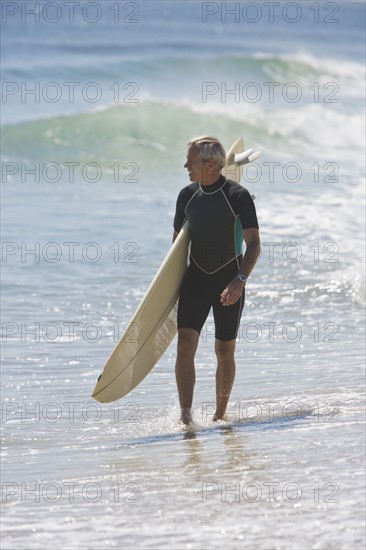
x: 98, y: 101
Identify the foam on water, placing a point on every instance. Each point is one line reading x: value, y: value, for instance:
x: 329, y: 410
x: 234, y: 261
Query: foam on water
x: 285, y: 469
x: 145, y: 133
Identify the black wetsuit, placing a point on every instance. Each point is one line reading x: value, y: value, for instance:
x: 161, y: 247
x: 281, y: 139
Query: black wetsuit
x: 217, y: 215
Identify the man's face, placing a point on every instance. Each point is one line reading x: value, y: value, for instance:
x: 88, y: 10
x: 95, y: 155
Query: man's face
x: 197, y: 169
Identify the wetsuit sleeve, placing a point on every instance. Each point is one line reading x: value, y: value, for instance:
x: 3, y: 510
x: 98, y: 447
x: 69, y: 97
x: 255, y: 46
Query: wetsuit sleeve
x: 246, y: 210
x: 180, y: 214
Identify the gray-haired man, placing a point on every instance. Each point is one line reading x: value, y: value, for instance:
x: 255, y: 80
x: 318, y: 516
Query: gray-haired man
x: 221, y: 214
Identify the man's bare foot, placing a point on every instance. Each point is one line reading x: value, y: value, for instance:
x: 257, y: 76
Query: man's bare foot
x: 186, y: 417
x: 218, y: 416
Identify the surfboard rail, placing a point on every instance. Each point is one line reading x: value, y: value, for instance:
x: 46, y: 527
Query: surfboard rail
x: 151, y: 329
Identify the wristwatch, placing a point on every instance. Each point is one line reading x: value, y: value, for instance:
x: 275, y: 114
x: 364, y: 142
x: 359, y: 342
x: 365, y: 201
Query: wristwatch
x: 242, y: 277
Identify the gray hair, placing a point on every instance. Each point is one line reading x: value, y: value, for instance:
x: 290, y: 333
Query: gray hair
x: 210, y: 148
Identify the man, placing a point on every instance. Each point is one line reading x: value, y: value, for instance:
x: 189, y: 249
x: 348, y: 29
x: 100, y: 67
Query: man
x: 221, y: 214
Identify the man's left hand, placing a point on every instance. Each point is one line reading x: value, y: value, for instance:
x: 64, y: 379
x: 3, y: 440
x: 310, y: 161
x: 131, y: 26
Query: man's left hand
x: 232, y: 292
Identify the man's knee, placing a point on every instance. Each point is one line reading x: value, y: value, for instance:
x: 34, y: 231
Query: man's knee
x: 187, y: 342
x: 225, y: 350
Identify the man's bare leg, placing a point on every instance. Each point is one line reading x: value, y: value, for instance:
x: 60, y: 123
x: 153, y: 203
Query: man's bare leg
x: 225, y: 375
x: 185, y: 371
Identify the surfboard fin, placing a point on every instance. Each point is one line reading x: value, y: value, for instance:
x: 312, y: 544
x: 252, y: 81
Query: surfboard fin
x: 246, y: 157
x: 240, y: 158
x: 254, y: 156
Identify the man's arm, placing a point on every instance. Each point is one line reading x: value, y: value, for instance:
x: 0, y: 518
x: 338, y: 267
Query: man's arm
x: 234, y: 289
x: 175, y: 235
x: 253, y: 248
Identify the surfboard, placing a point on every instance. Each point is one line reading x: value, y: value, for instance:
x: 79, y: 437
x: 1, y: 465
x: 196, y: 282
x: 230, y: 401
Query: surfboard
x: 153, y: 326
x: 151, y: 330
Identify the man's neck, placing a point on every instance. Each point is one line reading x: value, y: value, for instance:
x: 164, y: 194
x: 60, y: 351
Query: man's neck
x: 211, y: 180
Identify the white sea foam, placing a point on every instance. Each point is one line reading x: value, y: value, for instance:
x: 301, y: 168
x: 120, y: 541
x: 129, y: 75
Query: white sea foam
x: 301, y: 340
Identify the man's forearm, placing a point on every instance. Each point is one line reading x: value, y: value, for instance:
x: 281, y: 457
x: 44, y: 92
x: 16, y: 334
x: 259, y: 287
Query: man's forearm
x: 250, y: 258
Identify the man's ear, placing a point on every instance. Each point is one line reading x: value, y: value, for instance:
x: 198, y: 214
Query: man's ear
x: 208, y: 167
x: 211, y: 166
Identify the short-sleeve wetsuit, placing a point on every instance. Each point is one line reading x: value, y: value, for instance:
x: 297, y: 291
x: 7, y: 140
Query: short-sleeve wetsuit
x: 217, y: 215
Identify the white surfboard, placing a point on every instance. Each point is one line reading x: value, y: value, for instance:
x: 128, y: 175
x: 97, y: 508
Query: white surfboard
x: 151, y: 329
x: 154, y: 324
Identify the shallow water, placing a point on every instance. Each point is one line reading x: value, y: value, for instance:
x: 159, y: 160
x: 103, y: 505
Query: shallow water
x: 286, y: 469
